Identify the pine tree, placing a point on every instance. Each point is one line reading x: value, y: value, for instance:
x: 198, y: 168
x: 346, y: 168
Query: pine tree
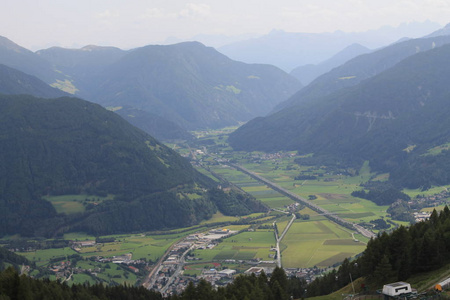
x: 383, y: 273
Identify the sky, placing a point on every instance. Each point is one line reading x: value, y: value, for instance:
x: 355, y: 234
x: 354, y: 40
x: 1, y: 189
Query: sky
x: 39, y: 24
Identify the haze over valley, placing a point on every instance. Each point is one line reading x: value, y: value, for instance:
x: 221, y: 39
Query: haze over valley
x: 224, y: 151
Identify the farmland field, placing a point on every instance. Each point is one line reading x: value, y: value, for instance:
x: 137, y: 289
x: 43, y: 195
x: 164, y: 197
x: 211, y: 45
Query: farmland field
x: 70, y: 204
x: 243, y: 246
x: 317, y: 243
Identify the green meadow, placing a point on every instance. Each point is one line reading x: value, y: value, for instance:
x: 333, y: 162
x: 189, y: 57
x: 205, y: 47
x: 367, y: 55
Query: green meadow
x: 243, y: 246
x: 42, y: 257
x: 317, y: 243
x: 70, y: 204
x: 332, y: 192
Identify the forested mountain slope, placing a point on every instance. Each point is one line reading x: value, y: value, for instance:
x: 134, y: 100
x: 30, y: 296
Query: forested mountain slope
x: 189, y: 84
x: 192, y: 85
x: 14, y: 82
x: 307, y: 73
x: 423, y: 247
x: 392, y: 119
x: 362, y: 67
x: 68, y: 146
x: 24, y: 60
x: 158, y: 127
x: 80, y: 66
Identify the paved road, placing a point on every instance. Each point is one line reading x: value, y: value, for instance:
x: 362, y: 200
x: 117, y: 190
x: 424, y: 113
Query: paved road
x: 177, y: 271
x: 308, y: 203
x: 287, y: 227
x: 277, y: 246
x: 151, y: 278
x: 281, y: 237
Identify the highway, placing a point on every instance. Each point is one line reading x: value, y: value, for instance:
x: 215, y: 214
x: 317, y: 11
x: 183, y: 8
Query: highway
x: 297, y: 198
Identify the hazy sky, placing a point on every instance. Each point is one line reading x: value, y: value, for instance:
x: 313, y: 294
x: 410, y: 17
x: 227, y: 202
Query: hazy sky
x: 37, y: 24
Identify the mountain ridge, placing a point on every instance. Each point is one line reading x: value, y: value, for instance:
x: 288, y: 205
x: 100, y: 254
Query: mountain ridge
x: 215, y: 90
x: 375, y: 120
x: 69, y: 146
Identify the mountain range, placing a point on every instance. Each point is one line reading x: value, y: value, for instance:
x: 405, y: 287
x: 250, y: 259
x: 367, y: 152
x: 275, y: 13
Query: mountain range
x: 289, y: 50
x: 192, y: 85
x: 361, y: 68
x: 14, y: 82
x: 308, y: 73
x: 189, y: 84
x: 68, y: 146
x: 392, y: 118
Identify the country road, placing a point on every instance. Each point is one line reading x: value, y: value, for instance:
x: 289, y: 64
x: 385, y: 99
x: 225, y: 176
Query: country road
x: 281, y: 237
x: 151, y: 277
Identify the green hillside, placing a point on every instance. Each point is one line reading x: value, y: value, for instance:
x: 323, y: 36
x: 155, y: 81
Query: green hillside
x: 403, y: 108
x: 417, y: 253
x: 192, y: 85
x: 17, y: 57
x: 361, y: 68
x: 15, y: 82
x: 158, y: 127
x: 68, y: 146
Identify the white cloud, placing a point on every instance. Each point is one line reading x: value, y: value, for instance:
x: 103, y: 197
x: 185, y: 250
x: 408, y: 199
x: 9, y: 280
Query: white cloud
x: 194, y: 10
x: 153, y: 13
x: 108, y: 14
x: 139, y: 22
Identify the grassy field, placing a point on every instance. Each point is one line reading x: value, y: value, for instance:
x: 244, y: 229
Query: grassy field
x: 70, y: 204
x: 141, y: 246
x: 42, y: 257
x: 317, y: 243
x: 314, y: 242
x: 219, y: 217
x: 243, y: 246
x: 78, y: 236
x: 332, y: 192
x: 429, y: 192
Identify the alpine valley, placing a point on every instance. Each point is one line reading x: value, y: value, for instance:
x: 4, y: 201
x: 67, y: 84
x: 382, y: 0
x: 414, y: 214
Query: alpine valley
x: 195, y: 176
x: 388, y: 107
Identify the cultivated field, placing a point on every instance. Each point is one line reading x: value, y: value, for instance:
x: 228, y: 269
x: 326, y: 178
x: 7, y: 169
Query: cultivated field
x: 243, y: 246
x: 318, y: 243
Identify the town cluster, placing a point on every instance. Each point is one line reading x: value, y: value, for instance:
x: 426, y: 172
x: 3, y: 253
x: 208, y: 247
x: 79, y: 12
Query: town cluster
x: 170, y: 275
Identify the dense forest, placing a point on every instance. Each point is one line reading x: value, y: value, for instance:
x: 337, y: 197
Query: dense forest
x: 397, y: 256
x: 422, y: 247
x: 68, y: 146
x: 392, y: 119
x: 251, y: 287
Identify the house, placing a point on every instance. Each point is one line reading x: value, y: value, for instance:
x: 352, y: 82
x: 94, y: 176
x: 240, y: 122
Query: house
x: 134, y: 269
x: 396, y: 288
x: 227, y: 273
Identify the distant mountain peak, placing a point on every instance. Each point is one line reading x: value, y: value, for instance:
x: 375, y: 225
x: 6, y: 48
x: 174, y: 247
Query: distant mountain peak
x: 90, y: 48
x: 443, y: 31
x: 10, y: 45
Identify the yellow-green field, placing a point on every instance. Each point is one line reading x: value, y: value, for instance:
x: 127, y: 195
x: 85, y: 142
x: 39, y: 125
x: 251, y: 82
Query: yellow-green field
x: 141, y: 246
x: 219, y: 217
x: 317, y: 243
x: 42, y: 257
x: 243, y: 246
x: 333, y: 192
x: 70, y: 204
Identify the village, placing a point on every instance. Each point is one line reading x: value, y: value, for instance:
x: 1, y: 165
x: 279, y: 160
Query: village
x: 169, y: 276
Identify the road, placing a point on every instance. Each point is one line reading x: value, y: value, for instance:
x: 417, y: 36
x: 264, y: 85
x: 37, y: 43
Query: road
x: 308, y: 203
x: 177, y: 271
x: 281, y: 237
x: 151, y: 278
x: 277, y: 246
x: 287, y: 227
